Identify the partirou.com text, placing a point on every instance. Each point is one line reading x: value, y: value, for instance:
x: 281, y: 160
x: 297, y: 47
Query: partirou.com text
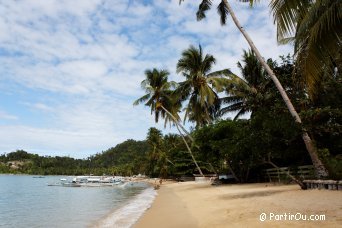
x: 291, y: 217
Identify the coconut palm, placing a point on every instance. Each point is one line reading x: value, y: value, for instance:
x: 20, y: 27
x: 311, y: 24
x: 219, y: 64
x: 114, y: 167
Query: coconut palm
x: 224, y: 9
x: 200, y: 85
x: 155, y: 140
x: 160, y: 97
x: 248, y: 93
x: 315, y: 27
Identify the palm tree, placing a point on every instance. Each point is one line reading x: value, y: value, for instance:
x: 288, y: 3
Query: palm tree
x: 224, y: 9
x: 252, y: 92
x: 158, y: 160
x: 248, y: 93
x: 200, y: 85
x: 315, y: 27
x: 159, y: 96
x: 155, y: 140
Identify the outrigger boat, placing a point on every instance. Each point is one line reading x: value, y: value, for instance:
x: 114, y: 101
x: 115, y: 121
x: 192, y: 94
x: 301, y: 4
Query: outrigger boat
x: 90, y: 181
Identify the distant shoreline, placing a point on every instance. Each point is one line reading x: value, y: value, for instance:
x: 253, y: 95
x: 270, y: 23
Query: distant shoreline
x: 191, y: 204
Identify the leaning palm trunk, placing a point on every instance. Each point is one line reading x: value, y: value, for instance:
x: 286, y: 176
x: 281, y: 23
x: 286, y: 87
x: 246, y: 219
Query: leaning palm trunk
x: 296, y: 180
x: 177, y: 123
x: 187, y: 146
x: 181, y: 134
x: 321, y: 171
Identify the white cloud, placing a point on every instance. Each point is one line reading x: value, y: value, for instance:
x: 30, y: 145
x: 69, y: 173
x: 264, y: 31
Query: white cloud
x: 6, y: 116
x: 77, y: 65
x: 42, y: 107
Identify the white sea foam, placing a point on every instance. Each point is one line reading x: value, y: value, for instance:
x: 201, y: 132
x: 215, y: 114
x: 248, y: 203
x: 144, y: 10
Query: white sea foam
x: 127, y: 215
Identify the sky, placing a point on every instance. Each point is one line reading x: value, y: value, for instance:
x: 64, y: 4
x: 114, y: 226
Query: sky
x: 70, y: 70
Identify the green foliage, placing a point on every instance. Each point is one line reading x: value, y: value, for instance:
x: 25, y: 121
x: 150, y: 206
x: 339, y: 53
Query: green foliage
x: 200, y: 86
x: 156, y: 156
x: 315, y: 28
x: 243, y: 146
x: 129, y: 157
x: 248, y: 92
x: 18, y: 155
x: 4, y: 168
x: 159, y: 95
x: 325, y: 125
x: 333, y: 163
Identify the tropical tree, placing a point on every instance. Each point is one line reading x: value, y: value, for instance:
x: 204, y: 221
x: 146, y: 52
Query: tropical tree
x: 315, y: 28
x: 160, y: 97
x: 224, y: 9
x: 248, y: 93
x: 200, y: 85
x: 155, y: 140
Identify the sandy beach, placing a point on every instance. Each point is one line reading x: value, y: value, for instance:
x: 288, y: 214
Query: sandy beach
x: 191, y: 204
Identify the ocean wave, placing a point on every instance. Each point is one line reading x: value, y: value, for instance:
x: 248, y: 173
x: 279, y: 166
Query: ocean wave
x: 128, y: 214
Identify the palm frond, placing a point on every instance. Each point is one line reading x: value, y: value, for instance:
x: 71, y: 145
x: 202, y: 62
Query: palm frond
x: 240, y: 113
x: 159, y: 94
x: 141, y: 99
x: 173, y: 84
x: 202, y: 8
x: 287, y: 40
x: 183, y: 91
x: 207, y: 63
x: 286, y: 15
x: 218, y: 83
x: 247, y: 93
x: 220, y: 73
x: 323, y: 17
x: 231, y: 108
x: 318, y: 41
x: 223, y: 11
x: 198, y: 87
x: 231, y: 99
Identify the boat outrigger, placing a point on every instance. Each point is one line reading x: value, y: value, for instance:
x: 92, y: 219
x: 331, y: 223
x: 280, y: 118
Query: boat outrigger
x: 91, y: 181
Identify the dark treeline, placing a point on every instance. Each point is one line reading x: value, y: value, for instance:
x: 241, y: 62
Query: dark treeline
x: 22, y: 162
x: 124, y: 159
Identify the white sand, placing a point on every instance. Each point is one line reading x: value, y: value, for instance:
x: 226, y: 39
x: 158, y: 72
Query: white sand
x: 192, y: 204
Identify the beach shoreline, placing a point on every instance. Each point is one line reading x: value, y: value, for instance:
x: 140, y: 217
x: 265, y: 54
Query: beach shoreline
x: 128, y: 212
x: 191, y: 204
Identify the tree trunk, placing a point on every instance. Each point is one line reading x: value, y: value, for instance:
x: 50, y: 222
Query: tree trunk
x: 177, y: 123
x: 300, y: 183
x: 321, y: 171
x: 247, y: 174
x: 232, y: 171
x: 187, y: 146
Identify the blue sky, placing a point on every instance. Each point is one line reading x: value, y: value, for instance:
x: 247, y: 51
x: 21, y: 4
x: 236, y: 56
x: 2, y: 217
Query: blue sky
x: 71, y: 69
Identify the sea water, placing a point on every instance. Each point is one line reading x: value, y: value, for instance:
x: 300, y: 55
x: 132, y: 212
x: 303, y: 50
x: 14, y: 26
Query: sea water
x: 26, y: 201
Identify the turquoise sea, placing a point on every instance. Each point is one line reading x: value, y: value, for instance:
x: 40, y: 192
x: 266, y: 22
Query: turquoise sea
x: 26, y: 201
